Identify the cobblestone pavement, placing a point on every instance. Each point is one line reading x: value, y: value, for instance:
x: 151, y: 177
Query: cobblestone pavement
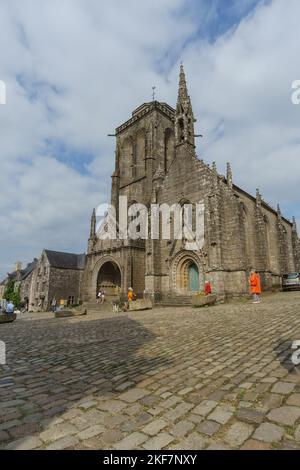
x: 172, y: 378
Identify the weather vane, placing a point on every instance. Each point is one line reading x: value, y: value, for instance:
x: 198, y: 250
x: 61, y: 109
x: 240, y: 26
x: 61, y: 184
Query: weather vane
x: 153, y: 92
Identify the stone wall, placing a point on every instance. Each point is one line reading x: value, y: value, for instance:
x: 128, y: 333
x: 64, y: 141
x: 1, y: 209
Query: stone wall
x: 240, y: 232
x: 39, y: 286
x: 47, y: 282
x: 25, y: 289
x: 130, y: 260
x: 64, y: 284
x: 2, y: 289
x: 142, y: 147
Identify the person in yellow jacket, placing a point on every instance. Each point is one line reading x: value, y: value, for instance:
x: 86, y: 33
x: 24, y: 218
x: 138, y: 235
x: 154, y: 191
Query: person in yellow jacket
x: 130, y: 294
x: 130, y: 298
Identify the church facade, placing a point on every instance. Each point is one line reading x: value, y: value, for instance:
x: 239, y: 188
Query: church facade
x: 156, y: 163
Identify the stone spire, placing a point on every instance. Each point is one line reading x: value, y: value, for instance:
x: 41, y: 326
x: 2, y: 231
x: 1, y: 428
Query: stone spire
x: 279, y: 215
x: 294, y: 225
x: 93, y: 225
x: 184, y: 118
x: 182, y: 89
x: 258, y: 198
x: 229, y: 176
x: 215, y: 179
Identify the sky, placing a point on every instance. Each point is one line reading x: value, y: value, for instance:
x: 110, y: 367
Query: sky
x: 75, y: 69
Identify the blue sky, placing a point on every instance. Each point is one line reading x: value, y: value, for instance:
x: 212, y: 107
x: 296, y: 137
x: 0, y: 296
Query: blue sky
x: 75, y: 70
x: 216, y: 17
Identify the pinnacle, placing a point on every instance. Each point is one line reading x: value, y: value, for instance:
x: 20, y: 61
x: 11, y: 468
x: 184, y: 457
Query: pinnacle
x: 182, y: 90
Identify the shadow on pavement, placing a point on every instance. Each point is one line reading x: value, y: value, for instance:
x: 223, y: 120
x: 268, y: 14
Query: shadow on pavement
x: 284, y: 352
x: 54, y: 364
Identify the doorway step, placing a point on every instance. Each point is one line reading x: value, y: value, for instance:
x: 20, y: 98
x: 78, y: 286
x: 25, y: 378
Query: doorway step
x: 176, y: 301
x: 94, y: 307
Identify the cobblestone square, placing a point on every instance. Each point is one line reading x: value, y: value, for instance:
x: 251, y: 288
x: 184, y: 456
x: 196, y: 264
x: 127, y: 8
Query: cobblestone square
x: 169, y: 378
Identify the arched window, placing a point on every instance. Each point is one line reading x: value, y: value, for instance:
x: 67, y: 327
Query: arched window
x: 169, y: 147
x: 268, y: 242
x: 248, y: 236
x: 126, y: 159
x: 140, y: 157
x: 181, y: 130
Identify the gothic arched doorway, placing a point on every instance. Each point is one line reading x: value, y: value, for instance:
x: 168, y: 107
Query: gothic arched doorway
x: 186, y: 274
x: 109, y: 279
x: 193, y: 278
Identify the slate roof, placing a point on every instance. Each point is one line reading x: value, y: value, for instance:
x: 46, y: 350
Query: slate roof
x: 59, y: 259
x: 29, y: 268
x: 9, y: 277
x: 22, y: 274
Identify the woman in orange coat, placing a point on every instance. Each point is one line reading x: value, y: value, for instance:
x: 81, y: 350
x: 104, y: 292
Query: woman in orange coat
x: 255, y: 286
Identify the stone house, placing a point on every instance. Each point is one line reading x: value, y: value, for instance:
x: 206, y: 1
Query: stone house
x: 57, y: 275
x: 14, y: 276
x: 2, y: 289
x: 26, y: 282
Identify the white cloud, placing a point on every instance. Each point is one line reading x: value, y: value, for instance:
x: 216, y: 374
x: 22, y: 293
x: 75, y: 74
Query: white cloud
x: 75, y: 70
x: 241, y: 91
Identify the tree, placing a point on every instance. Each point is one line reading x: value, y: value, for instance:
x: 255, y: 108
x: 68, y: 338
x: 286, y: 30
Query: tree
x: 9, y: 290
x: 11, y: 294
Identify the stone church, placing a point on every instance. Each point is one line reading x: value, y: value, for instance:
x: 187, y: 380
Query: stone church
x: 155, y: 162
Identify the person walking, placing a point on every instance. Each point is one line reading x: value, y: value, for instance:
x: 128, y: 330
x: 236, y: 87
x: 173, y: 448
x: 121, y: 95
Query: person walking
x: 10, y: 308
x: 130, y: 298
x: 99, y: 297
x: 53, y: 305
x: 207, y: 288
x: 255, y: 286
x: 130, y: 294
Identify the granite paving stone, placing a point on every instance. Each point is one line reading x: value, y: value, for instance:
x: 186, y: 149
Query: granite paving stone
x: 268, y: 432
x: 167, y: 378
x: 287, y: 415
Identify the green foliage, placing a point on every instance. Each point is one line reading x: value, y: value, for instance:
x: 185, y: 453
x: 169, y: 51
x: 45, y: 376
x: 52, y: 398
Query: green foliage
x: 11, y: 295
x: 9, y: 290
x: 16, y: 299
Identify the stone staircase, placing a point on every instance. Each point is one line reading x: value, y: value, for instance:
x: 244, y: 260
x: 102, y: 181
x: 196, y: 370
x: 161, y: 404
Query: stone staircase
x: 167, y: 301
x: 176, y: 301
x: 94, y: 307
